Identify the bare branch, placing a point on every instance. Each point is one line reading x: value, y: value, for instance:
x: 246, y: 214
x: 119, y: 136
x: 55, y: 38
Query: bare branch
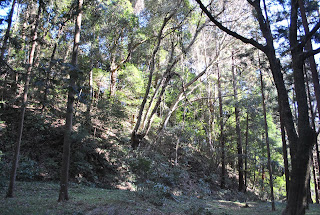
x: 228, y: 31
x: 311, y: 53
x: 308, y: 36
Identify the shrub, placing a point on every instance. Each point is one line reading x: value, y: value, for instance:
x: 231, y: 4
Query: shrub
x: 28, y: 169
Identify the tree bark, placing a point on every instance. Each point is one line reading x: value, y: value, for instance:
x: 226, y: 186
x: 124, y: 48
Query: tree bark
x: 46, y: 84
x: 246, y: 154
x: 16, y: 156
x: 312, y: 63
x: 221, y: 139
x: 301, y: 150
x: 285, y: 156
x: 267, y: 141
x: 238, y: 129
x: 7, y: 35
x: 63, y: 194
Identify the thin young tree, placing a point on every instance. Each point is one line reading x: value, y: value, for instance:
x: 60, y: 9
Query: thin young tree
x: 64, y: 178
x: 285, y: 155
x: 15, y: 161
x: 267, y: 141
x: 221, y: 138
x: 238, y: 129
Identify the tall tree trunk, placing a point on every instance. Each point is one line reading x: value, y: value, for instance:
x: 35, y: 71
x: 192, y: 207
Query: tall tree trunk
x: 181, y: 95
x: 155, y: 108
x: 155, y: 93
x: 246, y: 153
x: 316, y: 149
x: 15, y: 160
x: 238, y: 129
x: 267, y: 141
x: 7, y: 35
x: 221, y: 139
x: 314, y: 171
x: 113, y: 78
x: 135, y: 138
x: 285, y: 156
x: 312, y: 63
x: 301, y: 150
x: 46, y: 84
x: 63, y: 194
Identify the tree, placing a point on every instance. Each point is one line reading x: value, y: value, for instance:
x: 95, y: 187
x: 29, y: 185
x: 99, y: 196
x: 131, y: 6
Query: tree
x: 238, y: 129
x: 301, y: 140
x: 221, y: 138
x: 7, y: 35
x: 15, y: 160
x: 267, y: 140
x: 63, y: 194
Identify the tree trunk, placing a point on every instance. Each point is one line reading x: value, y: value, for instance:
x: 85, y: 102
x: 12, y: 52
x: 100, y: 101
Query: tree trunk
x: 181, y: 95
x: 168, y: 77
x: 316, y: 188
x: 246, y: 153
x: 267, y: 141
x: 46, y: 84
x: 113, y: 78
x: 285, y: 156
x: 15, y: 160
x: 135, y: 139
x: 221, y: 139
x: 7, y: 35
x: 300, y: 152
x: 238, y: 130
x: 63, y: 194
x: 312, y: 63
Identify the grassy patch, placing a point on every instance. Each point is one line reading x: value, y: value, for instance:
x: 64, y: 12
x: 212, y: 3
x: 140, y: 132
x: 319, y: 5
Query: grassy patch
x: 41, y: 198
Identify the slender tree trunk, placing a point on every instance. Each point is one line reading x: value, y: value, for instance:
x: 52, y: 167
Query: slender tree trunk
x: 181, y: 95
x: 46, y: 84
x: 267, y: 141
x: 90, y: 99
x: 154, y: 110
x: 134, y: 134
x: 238, y: 129
x: 316, y: 149
x: 221, y: 139
x: 314, y: 171
x: 15, y: 160
x: 113, y: 78
x: 246, y: 153
x: 155, y: 93
x: 63, y: 194
x: 285, y: 156
x: 311, y: 60
x: 7, y: 35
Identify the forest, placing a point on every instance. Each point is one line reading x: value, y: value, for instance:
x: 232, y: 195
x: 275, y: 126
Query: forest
x: 159, y: 107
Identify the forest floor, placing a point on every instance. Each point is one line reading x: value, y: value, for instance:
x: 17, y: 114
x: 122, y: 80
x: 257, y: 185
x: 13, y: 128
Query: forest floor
x: 41, y: 198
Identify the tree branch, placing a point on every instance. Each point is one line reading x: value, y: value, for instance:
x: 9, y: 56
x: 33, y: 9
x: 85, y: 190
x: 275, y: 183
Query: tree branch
x: 228, y: 31
x: 310, y: 53
x: 308, y: 36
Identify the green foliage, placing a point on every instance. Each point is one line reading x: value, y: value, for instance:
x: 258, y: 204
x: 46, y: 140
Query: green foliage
x: 154, y: 193
x: 130, y: 80
x: 141, y: 165
x: 28, y: 169
x: 3, y: 170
